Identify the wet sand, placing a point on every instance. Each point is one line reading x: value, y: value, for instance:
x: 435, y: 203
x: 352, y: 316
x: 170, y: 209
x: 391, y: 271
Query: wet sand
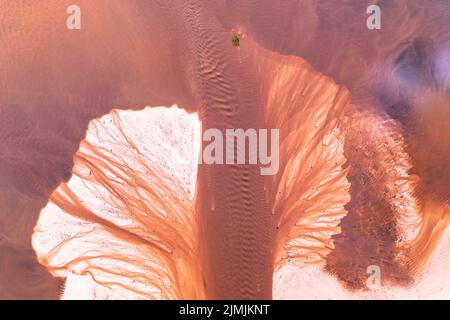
x: 363, y: 115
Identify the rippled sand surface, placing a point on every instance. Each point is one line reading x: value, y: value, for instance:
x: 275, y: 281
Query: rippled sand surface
x: 101, y: 195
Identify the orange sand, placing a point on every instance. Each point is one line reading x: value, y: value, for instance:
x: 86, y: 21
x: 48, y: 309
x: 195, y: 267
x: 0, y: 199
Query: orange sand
x: 364, y: 149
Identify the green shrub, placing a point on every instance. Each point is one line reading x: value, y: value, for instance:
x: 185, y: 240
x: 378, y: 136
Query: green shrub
x: 235, y: 40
